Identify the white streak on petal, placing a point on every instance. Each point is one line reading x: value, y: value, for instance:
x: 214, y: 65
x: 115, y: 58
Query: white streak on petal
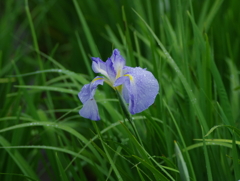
x: 118, y: 62
x: 99, y: 66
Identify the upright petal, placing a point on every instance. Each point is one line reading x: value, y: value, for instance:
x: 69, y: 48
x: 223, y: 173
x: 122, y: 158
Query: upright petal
x: 110, y: 70
x: 142, y: 89
x: 114, y: 65
x: 98, y: 66
x: 86, y: 95
x: 118, y: 62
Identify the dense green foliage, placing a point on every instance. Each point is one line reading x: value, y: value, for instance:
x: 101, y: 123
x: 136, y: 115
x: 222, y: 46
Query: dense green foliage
x: 191, y: 132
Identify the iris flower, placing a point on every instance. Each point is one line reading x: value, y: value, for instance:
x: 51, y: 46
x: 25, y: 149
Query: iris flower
x: 137, y: 86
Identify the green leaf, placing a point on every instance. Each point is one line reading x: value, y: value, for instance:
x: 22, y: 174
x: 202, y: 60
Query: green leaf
x: 209, y: 171
x: 49, y: 88
x: 19, y: 160
x: 235, y: 158
x: 62, y: 172
x: 236, y: 130
x: 151, y: 168
x: 181, y: 164
x: 111, y: 161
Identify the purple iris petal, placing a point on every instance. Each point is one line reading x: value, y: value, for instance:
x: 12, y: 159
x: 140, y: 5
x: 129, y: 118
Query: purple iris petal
x: 127, y: 69
x: 98, y: 66
x: 142, y: 88
x: 124, y: 81
x: 86, y: 95
x: 110, y: 70
x: 90, y: 110
x: 125, y: 92
x: 114, y: 65
x: 118, y: 62
x: 138, y: 86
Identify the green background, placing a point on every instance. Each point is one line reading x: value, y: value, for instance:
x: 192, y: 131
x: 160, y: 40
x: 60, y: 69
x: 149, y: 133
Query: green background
x: 191, y: 132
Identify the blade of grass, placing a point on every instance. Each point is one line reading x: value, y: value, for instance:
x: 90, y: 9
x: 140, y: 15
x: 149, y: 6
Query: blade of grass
x: 181, y: 164
x: 208, y: 166
x: 140, y: 175
x: 205, y: 21
x: 182, y: 140
x: 219, y: 141
x: 235, y: 158
x: 63, y: 175
x: 86, y: 60
x: 86, y: 29
x: 57, y: 89
x: 236, y: 130
x: 34, y: 36
x: 225, y: 104
x: 158, y: 175
x: 114, y: 160
x: 128, y: 41
x: 234, y: 82
x: 113, y: 166
x: 56, y: 126
x: 29, y: 100
x: 62, y: 150
x: 19, y: 160
x: 180, y: 75
x: 69, y: 73
x: 18, y: 176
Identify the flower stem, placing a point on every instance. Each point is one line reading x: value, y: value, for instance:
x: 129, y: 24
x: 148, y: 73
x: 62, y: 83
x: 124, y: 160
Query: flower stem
x: 128, y: 116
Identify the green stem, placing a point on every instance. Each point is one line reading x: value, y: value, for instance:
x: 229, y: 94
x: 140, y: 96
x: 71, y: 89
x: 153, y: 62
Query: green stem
x: 128, y: 116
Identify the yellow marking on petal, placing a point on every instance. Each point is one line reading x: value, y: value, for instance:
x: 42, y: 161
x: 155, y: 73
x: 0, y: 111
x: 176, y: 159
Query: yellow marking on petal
x: 109, y: 83
x: 96, y: 79
x: 118, y: 74
x: 118, y: 88
x: 130, y: 77
x: 105, y: 80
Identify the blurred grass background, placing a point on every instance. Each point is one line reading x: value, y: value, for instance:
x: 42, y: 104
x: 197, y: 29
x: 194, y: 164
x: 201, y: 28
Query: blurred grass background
x: 192, y: 48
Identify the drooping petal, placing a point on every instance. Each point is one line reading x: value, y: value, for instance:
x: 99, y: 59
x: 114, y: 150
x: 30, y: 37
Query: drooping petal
x: 98, y: 66
x: 125, y: 93
x: 90, y: 110
x: 127, y: 69
x: 87, y: 92
x: 86, y: 96
x: 142, y: 88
